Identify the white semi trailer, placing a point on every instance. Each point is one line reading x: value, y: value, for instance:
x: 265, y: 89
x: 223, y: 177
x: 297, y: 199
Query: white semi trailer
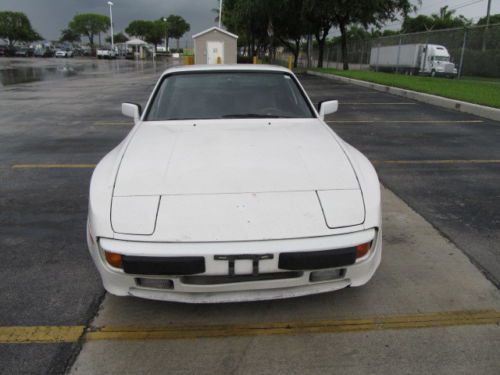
x: 426, y: 59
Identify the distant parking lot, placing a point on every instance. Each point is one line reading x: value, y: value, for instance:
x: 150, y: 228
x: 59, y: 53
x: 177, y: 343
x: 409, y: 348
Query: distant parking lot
x: 428, y: 309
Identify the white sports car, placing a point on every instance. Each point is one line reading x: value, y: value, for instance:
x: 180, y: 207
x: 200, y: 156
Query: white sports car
x: 231, y: 187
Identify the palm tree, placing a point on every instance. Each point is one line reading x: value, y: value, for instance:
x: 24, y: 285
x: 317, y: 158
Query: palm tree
x: 444, y: 15
x: 216, y: 11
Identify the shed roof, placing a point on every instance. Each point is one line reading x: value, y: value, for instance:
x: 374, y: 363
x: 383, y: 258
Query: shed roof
x: 135, y: 42
x: 215, y: 28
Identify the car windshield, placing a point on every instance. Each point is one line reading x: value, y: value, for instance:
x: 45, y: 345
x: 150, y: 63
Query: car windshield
x: 216, y: 95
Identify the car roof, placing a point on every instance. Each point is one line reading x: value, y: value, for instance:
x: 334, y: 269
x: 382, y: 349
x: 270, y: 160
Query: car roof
x: 228, y: 67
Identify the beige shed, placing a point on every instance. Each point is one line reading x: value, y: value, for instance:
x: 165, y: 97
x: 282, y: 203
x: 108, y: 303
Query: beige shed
x: 214, y: 43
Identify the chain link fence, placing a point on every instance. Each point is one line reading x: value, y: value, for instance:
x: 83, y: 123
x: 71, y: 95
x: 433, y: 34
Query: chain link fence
x: 474, y: 50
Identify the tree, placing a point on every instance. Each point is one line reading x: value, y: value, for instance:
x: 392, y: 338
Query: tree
x: 177, y: 27
x: 150, y: 31
x: 289, y: 25
x: 216, y: 11
x: 444, y: 20
x: 319, y: 17
x: 156, y: 32
x: 117, y: 38
x: 16, y: 27
x: 416, y: 24
x: 89, y: 25
x: 255, y: 23
x: 68, y: 35
x: 138, y: 28
x: 374, y: 12
x: 494, y: 18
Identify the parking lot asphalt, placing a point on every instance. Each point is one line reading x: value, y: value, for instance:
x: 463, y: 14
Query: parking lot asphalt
x: 47, y: 276
x: 442, y: 163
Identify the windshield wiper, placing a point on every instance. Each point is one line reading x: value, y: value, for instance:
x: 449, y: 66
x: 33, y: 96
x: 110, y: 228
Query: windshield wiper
x: 252, y: 115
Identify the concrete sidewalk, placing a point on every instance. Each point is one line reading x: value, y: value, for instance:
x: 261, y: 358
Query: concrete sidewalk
x: 421, y: 273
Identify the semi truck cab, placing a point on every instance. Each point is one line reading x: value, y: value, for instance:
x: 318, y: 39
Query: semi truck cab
x: 436, y: 61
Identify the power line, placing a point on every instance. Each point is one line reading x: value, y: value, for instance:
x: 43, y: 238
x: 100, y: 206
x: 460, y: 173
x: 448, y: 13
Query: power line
x: 457, y: 6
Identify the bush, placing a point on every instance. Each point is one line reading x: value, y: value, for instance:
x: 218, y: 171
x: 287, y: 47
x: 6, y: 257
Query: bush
x: 244, y: 59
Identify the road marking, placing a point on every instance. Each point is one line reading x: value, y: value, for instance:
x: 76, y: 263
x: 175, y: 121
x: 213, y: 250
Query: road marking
x: 445, y: 161
x: 436, y: 161
x: 404, y: 121
x: 52, y: 166
x: 13, y: 335
x: 40, y: 334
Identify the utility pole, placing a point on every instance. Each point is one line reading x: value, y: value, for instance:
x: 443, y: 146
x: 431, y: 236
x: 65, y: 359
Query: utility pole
x: 220, y: 14
x: 166, y: 35
x: 111, y: 19
x: 485, y: 32
x: 488, y: 14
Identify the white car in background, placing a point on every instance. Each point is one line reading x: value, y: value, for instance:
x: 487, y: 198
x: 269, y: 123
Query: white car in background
x: 231, y: 187
x: 64, y: 53
x: 106, y: 53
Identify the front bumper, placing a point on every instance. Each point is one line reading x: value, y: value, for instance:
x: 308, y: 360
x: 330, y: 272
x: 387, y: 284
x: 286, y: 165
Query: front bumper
x: 280, y: 283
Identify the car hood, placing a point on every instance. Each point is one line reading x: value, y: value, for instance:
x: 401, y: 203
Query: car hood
x: 233, y: 156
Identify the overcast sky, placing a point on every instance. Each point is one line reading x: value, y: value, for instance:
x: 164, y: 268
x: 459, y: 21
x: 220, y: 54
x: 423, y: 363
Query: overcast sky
x: 48, y: 17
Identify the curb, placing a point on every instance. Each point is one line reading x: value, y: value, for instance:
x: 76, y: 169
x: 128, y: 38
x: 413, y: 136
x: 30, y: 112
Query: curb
x: 457, y: 105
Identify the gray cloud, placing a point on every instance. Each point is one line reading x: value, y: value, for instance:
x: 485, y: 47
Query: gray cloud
x: 49, y: 17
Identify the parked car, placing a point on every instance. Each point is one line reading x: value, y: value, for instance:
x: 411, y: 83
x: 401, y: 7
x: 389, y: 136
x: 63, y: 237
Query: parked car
x: 7, y: 51
x: 23, y: 52
x: 64, y: 53
x: 231, y: 187
x: 44, y: 52
x: 106, y: 53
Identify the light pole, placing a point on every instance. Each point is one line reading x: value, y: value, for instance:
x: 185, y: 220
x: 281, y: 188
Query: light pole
x: 220, y: 14
x: 165, y: 20
x: 111, y: 19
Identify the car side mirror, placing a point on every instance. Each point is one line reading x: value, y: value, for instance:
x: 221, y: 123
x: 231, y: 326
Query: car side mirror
x: 132, y: 110
x: 327, y: 107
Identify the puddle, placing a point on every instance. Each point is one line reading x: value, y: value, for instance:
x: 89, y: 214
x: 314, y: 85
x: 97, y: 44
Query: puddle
x: 25, y: 74
x: 18, y: 71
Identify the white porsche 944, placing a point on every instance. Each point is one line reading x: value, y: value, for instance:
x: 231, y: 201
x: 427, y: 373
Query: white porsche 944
x: 231, y: 187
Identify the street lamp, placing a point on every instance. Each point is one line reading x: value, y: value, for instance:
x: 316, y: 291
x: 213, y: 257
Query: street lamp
x: 111, y: 19
x: 220, y: 14
x: 165, y: 20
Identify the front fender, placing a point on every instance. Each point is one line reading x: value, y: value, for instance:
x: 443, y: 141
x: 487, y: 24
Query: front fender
x: 369, y: 184
x: 101, y: 193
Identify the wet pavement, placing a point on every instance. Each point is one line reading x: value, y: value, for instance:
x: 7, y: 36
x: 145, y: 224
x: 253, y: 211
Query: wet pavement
x: 25, y: 70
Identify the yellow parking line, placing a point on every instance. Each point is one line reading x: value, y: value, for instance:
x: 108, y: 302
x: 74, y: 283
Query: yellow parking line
x: 40, y: 334
x: 465, y: 161
x: 293, y: 328
x: 11, y: 335
x: 52, y: 166
x: 404, y: 121
x: 437, y: 161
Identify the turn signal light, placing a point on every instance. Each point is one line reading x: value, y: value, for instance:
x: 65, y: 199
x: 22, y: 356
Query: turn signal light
x: 114, y: 259
x: 363, y: 249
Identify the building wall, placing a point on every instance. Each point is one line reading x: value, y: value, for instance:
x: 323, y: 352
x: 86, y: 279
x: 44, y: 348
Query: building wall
x: 200, y: 47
